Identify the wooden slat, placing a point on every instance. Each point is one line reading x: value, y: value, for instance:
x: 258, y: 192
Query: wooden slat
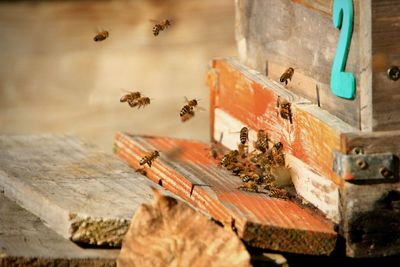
x: 195, y: 177
x: 251, y: 98
x: 273, y: 35
x: 81, y: 193
x: 385, y: 53
x: 26, y: 241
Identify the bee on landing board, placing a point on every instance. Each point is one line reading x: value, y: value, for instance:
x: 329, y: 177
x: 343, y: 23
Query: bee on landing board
x: 262, y: 141
x: 229, y: 158
x: 287, y: 75
x: 160, y: 26
x: 149, y: 158
x: 100, y: 36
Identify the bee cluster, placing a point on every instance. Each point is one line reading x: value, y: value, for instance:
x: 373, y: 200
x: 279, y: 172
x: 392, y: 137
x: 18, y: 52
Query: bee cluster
x: 257, y: 169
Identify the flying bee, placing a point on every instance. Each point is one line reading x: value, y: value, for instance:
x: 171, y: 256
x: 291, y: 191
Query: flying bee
x: 244, y: 135
x: 149, y: 158
x: 186, y: 110
x: 187, y: 115
x: 100, y: 36
x: 229, y: 158
x: 262, y: 141
x: 287, y: 75
x: 130, y: 97
x: 160, y: 26
x: 284, y: 109
x: 140, y: 102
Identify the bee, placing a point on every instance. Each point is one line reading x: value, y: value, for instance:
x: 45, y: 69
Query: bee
x: 187, y: 115
x: 160, y: 26
x: 244, y: 135
x: 284, y: 109
x: 249, y: 186
x: 140, y: 102
x: 130, y: 97
x: 100, y: 36
x: 149, y: 158
x: 287, y: 75
x: 262, y: 141
x: 243, y: 150
x: 229, y: 158
x: 236, y: 167
x: 186, y: 110
x: 250, y: 176
x: 276, y: 156
x: 189, y: 108
x: 214, y: 151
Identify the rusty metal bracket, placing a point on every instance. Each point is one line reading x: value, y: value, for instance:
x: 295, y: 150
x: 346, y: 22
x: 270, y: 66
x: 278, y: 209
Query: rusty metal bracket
x: 362, y: 167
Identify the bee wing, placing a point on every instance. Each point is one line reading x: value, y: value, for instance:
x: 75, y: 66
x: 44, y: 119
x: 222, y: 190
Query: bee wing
x: 154, y: 21
x: 186, y: 99
x: 200, y: 108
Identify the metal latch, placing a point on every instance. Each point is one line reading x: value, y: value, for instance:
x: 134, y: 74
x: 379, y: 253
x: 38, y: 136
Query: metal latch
x: 359, y: 166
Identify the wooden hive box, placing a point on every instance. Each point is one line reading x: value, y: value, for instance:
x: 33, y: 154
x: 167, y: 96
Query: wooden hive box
x: 342, y: 141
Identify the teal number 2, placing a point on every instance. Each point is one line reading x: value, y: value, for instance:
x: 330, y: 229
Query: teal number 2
x: 343, y: 83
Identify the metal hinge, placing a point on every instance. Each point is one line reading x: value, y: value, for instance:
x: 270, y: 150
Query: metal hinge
x: 361, y: 167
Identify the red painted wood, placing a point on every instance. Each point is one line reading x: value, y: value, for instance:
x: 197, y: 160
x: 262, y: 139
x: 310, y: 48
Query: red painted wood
x: 184, y: 164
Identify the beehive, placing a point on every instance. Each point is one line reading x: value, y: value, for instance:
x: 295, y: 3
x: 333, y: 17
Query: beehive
x: 342, y: 146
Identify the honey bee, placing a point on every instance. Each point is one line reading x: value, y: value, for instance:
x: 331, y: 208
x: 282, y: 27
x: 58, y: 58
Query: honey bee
x: 244, y: 135
x: 243, y: 150
x: 186, y: 110
x: 160, y: 26
x: 100, y: 36
x: 130, y: 97
x: 249, y: 186
x: 250, y: 176
x: 214, y: 151
x: 187, y: 115
x: 149, y: 158
x: 236, y: 167
x: 287, y: 75
x: 189, y: 107
x: 276, y: 155
x: 229, y: 158
x: 140, y: 102
x: 284, y: 109
x: 262, y: 141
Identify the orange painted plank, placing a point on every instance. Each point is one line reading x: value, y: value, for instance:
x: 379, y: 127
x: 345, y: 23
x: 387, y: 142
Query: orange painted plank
x: 311, y: 137
x: 185, y: 169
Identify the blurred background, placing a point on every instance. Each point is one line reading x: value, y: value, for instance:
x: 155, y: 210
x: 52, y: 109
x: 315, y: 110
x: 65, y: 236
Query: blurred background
x: 55, y: 79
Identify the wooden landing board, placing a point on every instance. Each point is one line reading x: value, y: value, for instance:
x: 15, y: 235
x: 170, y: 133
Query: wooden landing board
x: 251, y: 98
x: 186, y: 169
x: 83, y: 194
x: 26, y: 241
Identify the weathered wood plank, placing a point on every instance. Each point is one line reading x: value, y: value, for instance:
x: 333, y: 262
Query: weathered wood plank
x: 259, y: 220
x: 318, y: 190
x: 273, y: 35
x: 170, y: 233
x: 251, y: 98
x: 385, y: 53
x: 83, y: 194
x: 26, y: 241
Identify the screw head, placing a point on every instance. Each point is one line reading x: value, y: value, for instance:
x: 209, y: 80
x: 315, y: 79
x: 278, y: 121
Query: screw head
x: 362, y: 164
x: 385, y: 172
x: 393, y: 73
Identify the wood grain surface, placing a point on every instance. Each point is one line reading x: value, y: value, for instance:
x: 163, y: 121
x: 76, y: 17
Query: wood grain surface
x: 80, y: 192
x: 186, y: 169
x: 26, y: 241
